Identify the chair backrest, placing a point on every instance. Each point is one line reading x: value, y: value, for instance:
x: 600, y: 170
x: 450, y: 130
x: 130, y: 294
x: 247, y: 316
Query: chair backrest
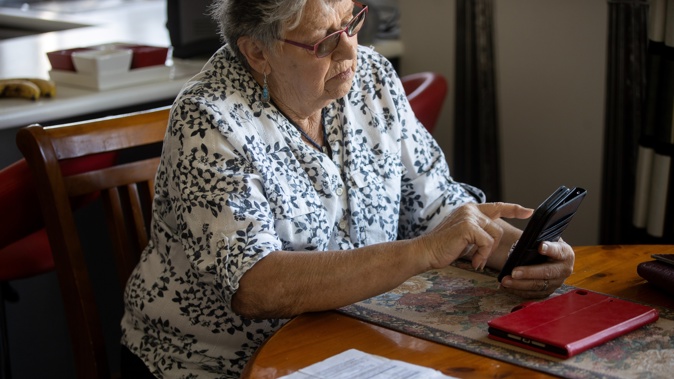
x: 426, y: 92
x: 24, y: 249
x: 126, y: 191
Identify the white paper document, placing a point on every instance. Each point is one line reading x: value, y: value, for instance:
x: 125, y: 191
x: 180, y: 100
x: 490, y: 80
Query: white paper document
x: 355, y: 364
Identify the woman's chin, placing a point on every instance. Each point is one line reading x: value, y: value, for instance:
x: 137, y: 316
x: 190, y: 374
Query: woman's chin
x: 339, y: 85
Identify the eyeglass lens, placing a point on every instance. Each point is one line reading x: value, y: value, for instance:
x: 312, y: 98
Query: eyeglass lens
x: 329, y: 44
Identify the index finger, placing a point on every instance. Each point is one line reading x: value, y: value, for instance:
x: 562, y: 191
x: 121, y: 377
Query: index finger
x: 507, y: 210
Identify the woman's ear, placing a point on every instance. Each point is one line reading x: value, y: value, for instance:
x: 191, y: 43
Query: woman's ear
x: 254, y: 52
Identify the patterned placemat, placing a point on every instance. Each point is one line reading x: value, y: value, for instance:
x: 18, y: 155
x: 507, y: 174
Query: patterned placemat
x: 452, y: 306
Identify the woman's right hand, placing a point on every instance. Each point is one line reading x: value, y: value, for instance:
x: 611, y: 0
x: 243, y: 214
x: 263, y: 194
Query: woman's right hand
x: 469, y: 229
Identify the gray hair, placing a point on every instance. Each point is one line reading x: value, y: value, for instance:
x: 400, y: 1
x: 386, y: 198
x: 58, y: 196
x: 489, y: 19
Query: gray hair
x: 263, y: 20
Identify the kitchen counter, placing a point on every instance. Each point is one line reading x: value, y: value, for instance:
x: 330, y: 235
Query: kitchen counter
x: 141, y: 22
x: 138, y: 22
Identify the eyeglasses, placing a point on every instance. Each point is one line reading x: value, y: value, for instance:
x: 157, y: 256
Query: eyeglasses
x: 327, y: 45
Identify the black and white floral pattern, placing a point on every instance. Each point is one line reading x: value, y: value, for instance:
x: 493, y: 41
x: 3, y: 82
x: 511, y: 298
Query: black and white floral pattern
x: 236, y: 182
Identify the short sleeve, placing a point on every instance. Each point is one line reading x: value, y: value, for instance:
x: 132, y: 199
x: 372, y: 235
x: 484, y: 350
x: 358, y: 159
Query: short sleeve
x: 221, y: 214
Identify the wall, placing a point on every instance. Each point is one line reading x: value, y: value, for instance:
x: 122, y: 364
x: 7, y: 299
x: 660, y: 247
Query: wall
x: 550, y: 57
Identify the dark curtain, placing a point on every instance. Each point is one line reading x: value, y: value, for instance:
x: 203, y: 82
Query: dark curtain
x: 653, y: 217
x: 637, y: 202
x: 476, y: 158
x: 624, y: 114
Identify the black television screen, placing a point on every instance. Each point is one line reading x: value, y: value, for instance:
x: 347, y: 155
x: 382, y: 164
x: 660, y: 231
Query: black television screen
x: 191, y: 29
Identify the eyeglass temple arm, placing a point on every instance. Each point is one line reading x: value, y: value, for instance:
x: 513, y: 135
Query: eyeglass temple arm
x: 308, y: 47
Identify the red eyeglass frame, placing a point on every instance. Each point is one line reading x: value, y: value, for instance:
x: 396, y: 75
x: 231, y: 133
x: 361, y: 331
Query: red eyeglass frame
x: 314, y: 47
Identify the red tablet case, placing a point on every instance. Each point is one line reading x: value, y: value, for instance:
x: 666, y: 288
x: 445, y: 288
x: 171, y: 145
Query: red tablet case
x: 568, y: 324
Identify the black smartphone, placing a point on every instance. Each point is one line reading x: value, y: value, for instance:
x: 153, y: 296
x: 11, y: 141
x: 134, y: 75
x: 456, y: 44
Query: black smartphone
x: 547, y: 223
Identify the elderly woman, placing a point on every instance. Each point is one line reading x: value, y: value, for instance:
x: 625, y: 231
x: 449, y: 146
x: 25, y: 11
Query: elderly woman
x: 295, y: 178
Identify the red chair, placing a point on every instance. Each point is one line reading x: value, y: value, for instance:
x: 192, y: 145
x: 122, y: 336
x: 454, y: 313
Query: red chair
x: 426, y: 93
x: 24, y: 246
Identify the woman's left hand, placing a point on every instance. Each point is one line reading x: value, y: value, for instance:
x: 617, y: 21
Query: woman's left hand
x: 541, y: 280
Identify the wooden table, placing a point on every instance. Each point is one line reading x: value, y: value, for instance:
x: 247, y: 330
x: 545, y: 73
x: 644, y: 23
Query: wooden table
x: 310, y: 338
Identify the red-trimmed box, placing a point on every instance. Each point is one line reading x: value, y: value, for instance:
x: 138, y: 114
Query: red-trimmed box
x: 63, y: 60
x: 145, y: 55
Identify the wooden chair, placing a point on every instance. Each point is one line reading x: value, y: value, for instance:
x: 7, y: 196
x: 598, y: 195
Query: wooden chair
x: 126, y: 191
x: 24, y: 247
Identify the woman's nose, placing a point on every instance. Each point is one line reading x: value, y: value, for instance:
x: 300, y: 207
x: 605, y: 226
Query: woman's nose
x: 346, y: 48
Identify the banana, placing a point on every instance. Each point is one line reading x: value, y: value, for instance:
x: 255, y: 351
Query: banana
x: 47, y: 87
x: 19, y: 88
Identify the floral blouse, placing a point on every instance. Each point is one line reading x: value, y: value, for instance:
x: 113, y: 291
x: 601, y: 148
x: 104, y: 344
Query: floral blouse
x: 237, y: 182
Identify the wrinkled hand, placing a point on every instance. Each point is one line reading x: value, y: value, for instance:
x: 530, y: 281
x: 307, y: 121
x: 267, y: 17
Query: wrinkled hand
x: 541, y: 280
x: 469, y: 224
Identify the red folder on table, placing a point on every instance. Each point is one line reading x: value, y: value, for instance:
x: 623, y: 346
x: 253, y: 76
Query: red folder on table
x: 568, y: 324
